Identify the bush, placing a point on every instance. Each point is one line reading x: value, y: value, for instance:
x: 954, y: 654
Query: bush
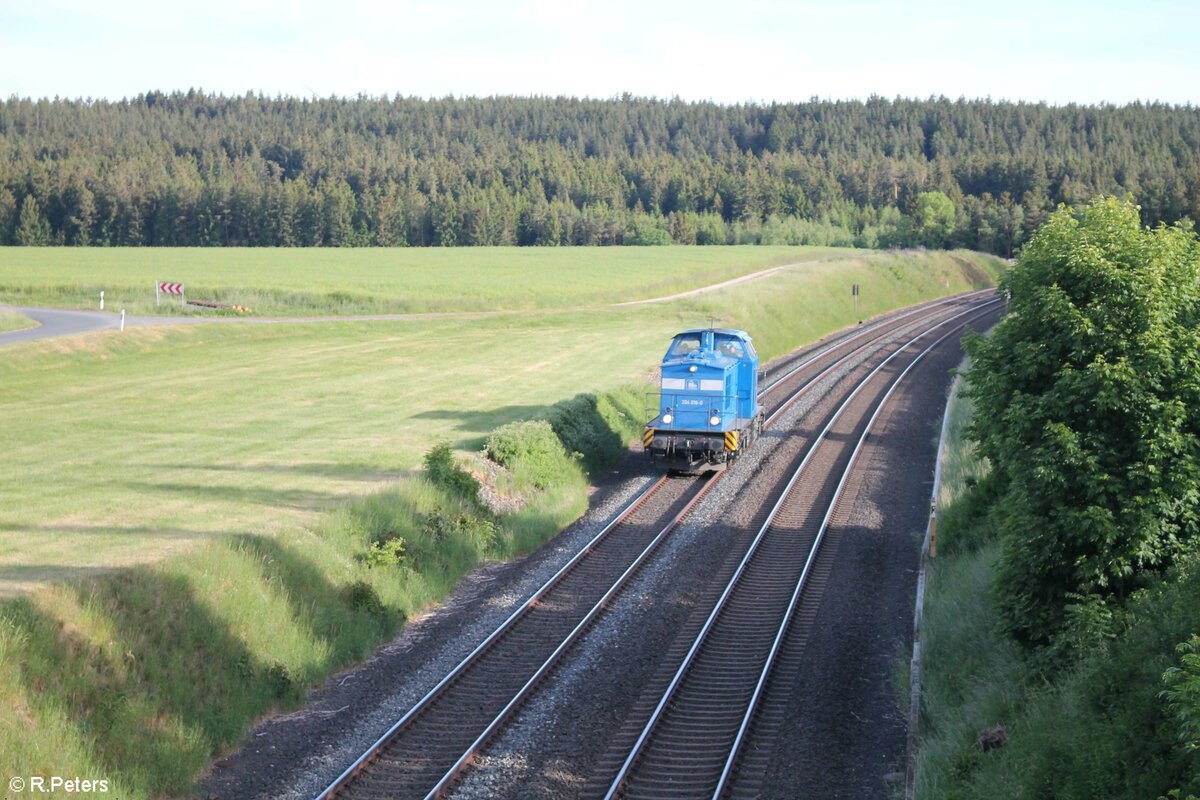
x: 583, y: 431
x: 648, y: 230
x: 361, y: 596
x: 284, y: 687
x: 968, y: 524
x: 386, y: 553
x: 443, y: 471
x: 532, y: 451
x: 479, y: 532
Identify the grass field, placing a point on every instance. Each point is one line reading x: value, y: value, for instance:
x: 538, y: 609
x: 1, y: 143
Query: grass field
x: 374, y: 280
x: 123, y: 448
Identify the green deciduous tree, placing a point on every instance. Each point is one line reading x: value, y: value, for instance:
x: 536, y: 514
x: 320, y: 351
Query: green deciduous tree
x: 1088, y: 405
x: 933, y: 213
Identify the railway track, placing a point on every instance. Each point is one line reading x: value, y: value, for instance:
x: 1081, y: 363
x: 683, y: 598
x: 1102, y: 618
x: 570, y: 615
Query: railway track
x: 425, y: 751
x: 691, y: 741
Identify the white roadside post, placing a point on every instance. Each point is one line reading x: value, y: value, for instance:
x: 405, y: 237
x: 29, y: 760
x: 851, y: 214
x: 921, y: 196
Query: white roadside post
x: 101, y: 299
x: 122, y: 319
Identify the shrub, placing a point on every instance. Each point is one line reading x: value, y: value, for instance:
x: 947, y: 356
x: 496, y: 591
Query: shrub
x: 648, y: 230
x: 531, y: 450
x: 361, y: 596
x: 443, y: 471
x: 283, y: 686
x: 584, y: 431
x: 441, y: 526
x: 1183, y: 692
x: 968, y: 524
x: 386, y: 553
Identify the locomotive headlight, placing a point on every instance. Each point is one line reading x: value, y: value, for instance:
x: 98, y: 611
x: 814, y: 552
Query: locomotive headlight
x: 714, y: 420
x: 692, y: 368
x: 668, y: 419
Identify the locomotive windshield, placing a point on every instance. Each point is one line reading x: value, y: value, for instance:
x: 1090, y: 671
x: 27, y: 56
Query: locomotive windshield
x: 684, y: 345
x: 729, y: 346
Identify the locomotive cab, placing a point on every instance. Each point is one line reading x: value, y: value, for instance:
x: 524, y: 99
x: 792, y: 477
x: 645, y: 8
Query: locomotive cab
x: 707, y: 411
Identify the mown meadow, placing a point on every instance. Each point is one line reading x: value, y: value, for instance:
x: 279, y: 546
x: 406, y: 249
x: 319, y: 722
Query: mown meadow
x: 203, y: 521
x: 309, y: 281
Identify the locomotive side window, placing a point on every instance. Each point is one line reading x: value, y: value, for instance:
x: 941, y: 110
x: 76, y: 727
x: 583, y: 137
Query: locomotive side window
x: 684, y: 345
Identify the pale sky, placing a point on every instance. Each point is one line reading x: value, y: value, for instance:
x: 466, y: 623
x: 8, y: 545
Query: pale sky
x: 730, y: 52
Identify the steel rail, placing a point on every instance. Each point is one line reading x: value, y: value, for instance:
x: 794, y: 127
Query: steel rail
x: 426, y: 700
x: 733, y: 581
x: 784, y: 405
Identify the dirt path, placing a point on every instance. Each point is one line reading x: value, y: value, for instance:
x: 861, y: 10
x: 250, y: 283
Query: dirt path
x: 753, y: 276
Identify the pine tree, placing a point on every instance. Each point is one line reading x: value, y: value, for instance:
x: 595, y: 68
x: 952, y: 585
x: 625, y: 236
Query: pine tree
x: 32, y: 228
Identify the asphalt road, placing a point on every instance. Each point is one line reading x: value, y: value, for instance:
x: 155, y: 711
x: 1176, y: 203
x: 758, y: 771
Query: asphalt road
x: 58, y: 322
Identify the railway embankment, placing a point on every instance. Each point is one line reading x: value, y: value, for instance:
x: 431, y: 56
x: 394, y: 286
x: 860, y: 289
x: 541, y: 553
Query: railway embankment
x: 141, y: 676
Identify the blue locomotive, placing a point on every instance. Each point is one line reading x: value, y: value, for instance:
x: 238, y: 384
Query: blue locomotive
x: 707, y: 411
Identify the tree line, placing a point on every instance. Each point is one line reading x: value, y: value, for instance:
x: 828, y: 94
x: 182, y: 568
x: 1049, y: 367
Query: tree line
x: 191, y: 168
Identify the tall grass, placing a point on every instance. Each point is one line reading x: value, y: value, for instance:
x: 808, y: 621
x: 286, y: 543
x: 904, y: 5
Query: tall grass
x: 141, y: 675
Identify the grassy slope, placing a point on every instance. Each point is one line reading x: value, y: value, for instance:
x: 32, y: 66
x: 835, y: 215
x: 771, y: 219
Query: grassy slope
x: 374, y: 280
x: 1100, y: 730
x: 243, y: 436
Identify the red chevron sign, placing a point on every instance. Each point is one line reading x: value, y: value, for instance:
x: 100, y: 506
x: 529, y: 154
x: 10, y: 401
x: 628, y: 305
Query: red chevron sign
x: 170, y: 288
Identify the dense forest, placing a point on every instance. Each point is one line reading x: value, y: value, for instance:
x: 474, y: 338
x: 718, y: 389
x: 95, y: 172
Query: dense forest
x: 200, y: 169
